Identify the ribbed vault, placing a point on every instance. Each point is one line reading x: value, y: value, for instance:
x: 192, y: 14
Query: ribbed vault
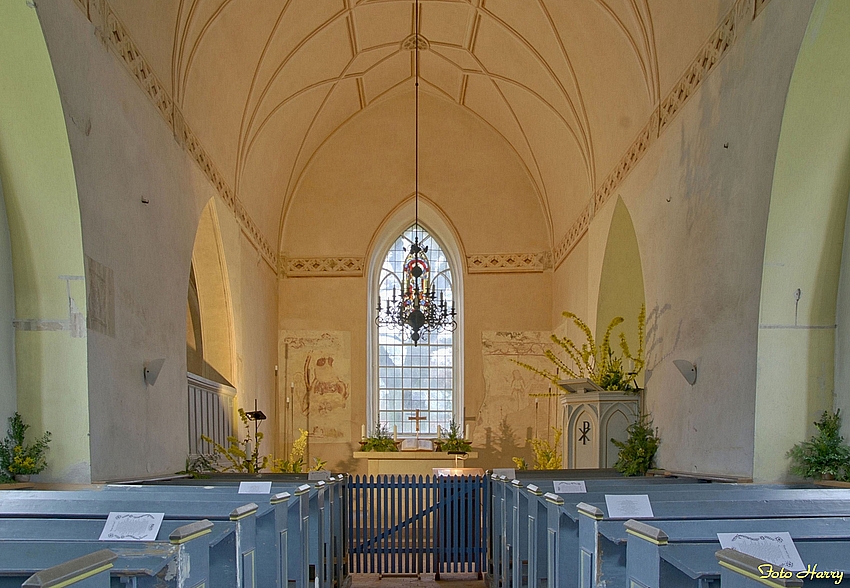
x: 566, y: 84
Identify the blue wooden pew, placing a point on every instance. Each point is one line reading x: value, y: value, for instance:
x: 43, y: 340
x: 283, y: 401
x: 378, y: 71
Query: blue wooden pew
x: 512, y: 528
x: 324, y: 523
x: 179, y: 562
x: 96, y: 504
x: 654, y: 552
x: 327, y: 555
x: 88, y: 571
x: 566, y: 561
x: 603, y: 549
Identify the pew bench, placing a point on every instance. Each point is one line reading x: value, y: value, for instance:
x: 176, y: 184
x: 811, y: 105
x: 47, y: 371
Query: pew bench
x: 181, y: 561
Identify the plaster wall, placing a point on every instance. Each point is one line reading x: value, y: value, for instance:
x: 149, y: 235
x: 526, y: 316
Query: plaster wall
x: 124, y: 153
x: 798, y: 354
x: 8, y: 386
x: 699, y: 202
x: 48, y: 380
x: 360, y: 177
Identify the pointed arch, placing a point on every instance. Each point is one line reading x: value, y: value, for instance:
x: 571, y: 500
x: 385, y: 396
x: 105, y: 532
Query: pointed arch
x: 437, y: 224
x: 212, y: 324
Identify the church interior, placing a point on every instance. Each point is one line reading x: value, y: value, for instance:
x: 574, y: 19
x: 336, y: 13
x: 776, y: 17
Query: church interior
x: 204, y: 198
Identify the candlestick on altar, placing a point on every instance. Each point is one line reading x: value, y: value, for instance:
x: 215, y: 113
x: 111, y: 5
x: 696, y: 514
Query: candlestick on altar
x: 466, y: 433
x: 395, y: 432
x: 362, y: 431
x: 439, y: 433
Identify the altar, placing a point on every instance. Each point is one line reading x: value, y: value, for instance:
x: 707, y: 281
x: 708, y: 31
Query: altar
x: 410, y: 462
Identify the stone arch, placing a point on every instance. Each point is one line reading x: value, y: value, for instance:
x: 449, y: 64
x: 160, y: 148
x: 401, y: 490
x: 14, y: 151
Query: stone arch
x: 210, y: 346
x: 621, y: 291
x: 801, y: 302
x: 50, y: 380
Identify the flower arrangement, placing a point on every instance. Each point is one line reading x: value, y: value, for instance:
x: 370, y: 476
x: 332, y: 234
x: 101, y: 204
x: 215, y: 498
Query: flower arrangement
x: 638, y: 451
x: 16, y: 457
x: 294, y: 464
x: 600, y: 364
x: 825, y: 454
x: 454, y: 441
x: 381, y: 440
x: 546, y: 456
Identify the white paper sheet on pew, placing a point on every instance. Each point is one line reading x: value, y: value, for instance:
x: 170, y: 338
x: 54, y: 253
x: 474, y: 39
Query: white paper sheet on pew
x: 570, y: 487
x: 132, y: 526
x: 628, y: 506
x: 775, y: 548
x: 255, y: 487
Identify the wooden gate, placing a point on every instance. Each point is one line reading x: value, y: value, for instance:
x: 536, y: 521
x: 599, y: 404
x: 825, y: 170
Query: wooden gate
x: 412, y: 525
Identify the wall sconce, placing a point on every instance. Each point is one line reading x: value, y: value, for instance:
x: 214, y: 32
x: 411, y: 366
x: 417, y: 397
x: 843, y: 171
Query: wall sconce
x: 151, y: 371
x: 688, y: 370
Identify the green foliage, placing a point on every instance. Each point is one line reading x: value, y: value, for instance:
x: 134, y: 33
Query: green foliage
x: 200, y: 465
x: 454, y: 441
x: 381, y: 440
x: 294, y: 464
x: 547, y: 456
x: 241, y: 456
x: 825, y: 453
x: 18, y: 458
x: 599, y: 364
x: 638, y: 451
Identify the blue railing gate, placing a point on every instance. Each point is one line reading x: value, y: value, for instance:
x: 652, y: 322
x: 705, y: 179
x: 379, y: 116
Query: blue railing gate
x: 415, y: 524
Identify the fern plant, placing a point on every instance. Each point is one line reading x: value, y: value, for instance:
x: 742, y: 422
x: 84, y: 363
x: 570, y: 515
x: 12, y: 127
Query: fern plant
x: 600, y: 364
x: 638, y: 451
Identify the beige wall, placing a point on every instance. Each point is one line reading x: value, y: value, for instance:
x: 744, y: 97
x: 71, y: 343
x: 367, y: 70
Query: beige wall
x: 699, y: 201
x: 800, y: 365
x: 124, y: 152
x: 363, y: 173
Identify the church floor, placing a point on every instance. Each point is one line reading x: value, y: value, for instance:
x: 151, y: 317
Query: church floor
x: 425, y: 581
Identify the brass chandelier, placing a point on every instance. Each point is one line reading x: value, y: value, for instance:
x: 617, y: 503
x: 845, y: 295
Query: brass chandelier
x: 418, y: 307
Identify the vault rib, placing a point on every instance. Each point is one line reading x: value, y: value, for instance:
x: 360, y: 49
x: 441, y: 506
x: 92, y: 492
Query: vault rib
x: 274, y: 76
x: 583, y: 142
x: 241, y: 138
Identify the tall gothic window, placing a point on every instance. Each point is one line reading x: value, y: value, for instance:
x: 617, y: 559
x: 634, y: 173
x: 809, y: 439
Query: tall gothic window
x: 421, y: 376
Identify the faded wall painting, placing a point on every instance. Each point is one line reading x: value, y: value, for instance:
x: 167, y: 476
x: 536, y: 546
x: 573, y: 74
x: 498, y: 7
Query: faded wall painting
x: 316, y: 377
x: 516, y: 403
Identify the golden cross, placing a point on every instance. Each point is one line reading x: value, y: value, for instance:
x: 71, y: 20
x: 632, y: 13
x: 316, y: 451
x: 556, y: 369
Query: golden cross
x: 417, y: 418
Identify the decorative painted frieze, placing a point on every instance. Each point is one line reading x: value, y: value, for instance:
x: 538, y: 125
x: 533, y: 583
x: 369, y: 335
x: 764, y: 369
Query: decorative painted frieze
x: 318, y: 267
x: 509, y: 262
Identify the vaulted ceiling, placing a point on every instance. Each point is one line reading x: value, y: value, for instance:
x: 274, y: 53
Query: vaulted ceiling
x: 566, y: 84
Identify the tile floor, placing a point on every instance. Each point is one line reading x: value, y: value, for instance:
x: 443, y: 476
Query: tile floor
x: 424, y: 581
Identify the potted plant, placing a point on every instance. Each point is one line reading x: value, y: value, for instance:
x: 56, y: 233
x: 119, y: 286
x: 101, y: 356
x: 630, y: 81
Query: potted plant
x: 638, y: 451
x: 598, y: 363
x: 18, y: 461
x: 454, y: 441
x: 825, y: 455
x: 380, y: 440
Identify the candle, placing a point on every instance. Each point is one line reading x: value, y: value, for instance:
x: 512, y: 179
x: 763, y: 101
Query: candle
x: 362, y: 431
x: 395, y: 432
x: 466, y: 436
